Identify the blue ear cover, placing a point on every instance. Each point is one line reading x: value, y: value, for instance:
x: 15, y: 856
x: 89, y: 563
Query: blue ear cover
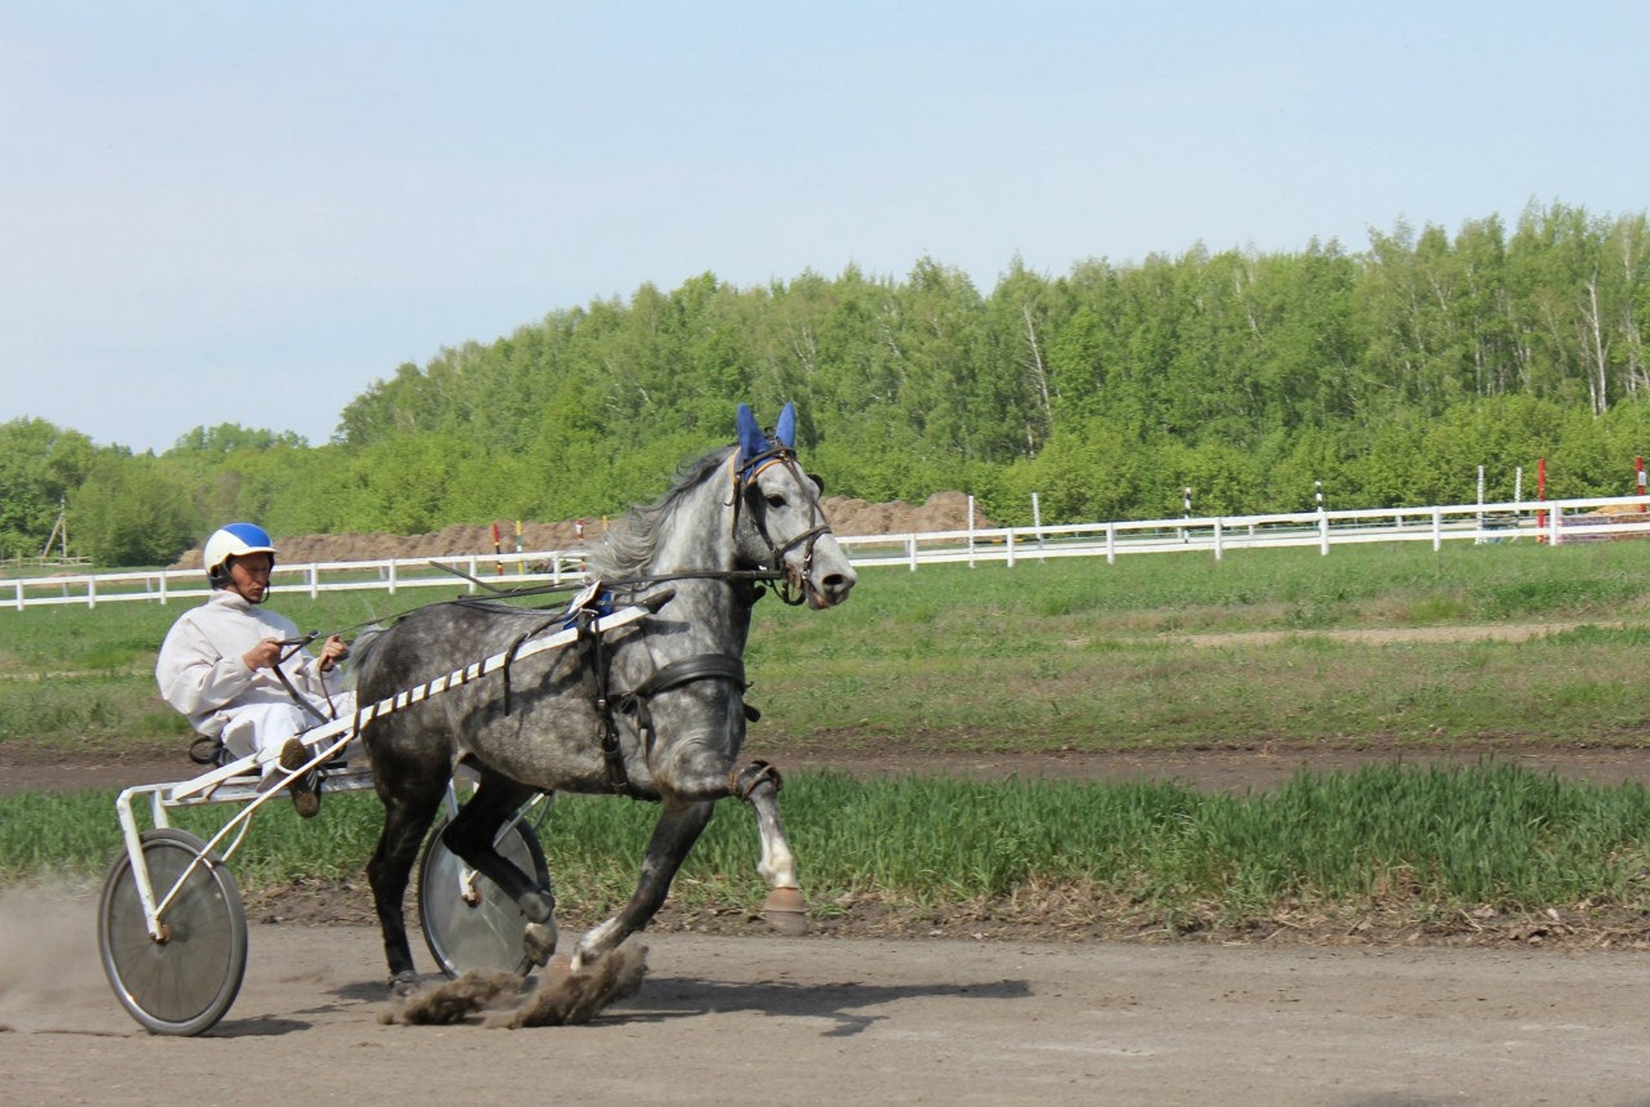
x: 752, y: 442
x: 785, y: 432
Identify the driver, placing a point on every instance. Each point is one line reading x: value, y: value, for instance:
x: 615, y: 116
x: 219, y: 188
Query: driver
x: 221, y: 665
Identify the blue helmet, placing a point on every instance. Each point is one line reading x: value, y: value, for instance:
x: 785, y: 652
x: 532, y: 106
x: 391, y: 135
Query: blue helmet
x: 234, y: 540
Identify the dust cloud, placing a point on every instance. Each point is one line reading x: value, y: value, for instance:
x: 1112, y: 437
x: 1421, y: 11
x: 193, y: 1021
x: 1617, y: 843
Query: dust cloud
x: 562, y: 997
x: 48, y: 954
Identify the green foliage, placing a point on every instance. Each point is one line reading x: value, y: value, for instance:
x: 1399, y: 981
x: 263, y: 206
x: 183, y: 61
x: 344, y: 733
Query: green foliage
x: 39, y: 466
x: 1389, y: 375
x: 136, y: 511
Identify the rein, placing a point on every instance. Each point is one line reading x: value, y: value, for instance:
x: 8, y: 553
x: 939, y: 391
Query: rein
x: 790, y: 586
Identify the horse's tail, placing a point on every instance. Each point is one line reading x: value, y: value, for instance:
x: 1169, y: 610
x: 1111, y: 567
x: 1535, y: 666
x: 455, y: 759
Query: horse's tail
x: 361, y: 653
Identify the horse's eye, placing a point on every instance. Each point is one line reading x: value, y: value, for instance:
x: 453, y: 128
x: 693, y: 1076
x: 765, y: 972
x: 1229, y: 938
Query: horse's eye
x: 776, y: 501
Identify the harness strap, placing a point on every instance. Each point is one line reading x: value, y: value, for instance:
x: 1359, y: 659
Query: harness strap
x: 709, y: 666
x: 510, y: 657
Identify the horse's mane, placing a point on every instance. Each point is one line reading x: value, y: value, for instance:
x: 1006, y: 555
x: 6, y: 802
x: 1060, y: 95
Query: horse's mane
x: 629, y: 545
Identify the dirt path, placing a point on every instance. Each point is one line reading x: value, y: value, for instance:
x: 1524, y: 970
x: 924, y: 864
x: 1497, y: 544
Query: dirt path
x: 759, y: 1020
x: 1213, y: 770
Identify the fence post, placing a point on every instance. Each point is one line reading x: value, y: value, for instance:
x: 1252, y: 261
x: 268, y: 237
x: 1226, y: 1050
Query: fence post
x: 1011, y: 549
x: 1111, y: 543
x: 1323, y: 533
x: 314, y: 580
x: 911, y: 548
x: 1540, y: 494
x: 1220, y: 546
x: 1437, y: 530
x: 1478, y: 539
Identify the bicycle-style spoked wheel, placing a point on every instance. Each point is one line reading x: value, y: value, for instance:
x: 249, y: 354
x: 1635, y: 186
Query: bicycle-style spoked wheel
x: 474, y: 925
x: 183, y: 982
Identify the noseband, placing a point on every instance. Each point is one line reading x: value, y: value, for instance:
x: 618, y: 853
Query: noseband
x: 793, y: 587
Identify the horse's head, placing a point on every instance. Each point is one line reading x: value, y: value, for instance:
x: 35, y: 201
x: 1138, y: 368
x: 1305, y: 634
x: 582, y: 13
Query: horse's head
x: 778, y: 521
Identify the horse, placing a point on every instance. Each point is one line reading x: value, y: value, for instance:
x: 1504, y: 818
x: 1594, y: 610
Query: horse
x: 653, y: 710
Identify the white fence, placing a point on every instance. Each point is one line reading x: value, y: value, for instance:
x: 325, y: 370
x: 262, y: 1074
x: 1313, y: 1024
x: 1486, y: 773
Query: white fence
x: 1554, y: 522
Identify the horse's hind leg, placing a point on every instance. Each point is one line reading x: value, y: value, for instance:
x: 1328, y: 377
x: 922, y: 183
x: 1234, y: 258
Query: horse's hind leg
x: 785, y: 910
x: 472, y: 836
x: 406, y: 818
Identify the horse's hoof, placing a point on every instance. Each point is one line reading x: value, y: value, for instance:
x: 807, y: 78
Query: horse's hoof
x: 538, y: 941
x: 786, y: 911
x: 404, y: 983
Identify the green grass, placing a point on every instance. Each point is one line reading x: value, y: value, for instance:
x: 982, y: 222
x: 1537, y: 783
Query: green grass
x: 1064, y: 655
x: 1072, y: 653
x: 1494, y: 835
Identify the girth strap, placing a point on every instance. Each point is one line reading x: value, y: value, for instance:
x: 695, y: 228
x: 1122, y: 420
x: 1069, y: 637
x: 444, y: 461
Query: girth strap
x: 689, y: 669
x: 709, y: 666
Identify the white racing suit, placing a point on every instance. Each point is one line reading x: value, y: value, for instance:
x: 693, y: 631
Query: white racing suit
x: 201, y: 673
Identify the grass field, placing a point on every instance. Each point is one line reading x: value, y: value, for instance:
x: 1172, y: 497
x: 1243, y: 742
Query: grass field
x: 1174, y: 651
x: 1068, y: 654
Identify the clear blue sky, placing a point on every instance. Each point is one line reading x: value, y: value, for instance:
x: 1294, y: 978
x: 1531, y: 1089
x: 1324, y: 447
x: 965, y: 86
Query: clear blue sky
x: 248, y: 212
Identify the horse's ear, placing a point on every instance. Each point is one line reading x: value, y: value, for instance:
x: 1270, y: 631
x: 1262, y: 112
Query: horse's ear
x: 752, y: 442
x: 819, y: 482
x: 785, y: 432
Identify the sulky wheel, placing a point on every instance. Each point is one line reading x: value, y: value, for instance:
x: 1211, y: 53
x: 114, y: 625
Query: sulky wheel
x: 185, y: 981
x: 473, y: 924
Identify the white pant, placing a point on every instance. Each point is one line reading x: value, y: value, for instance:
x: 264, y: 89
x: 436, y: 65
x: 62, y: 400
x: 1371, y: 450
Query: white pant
x: 266, y: 726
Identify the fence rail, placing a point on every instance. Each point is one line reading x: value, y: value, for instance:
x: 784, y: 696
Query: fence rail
x: 1553, y: 522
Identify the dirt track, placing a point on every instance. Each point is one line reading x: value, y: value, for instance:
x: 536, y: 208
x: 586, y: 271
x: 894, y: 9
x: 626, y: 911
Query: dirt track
x: 834, y: 1020
x: 821, y: 1021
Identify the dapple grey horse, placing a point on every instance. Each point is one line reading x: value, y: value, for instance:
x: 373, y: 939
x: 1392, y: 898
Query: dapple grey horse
x: 654, y: 710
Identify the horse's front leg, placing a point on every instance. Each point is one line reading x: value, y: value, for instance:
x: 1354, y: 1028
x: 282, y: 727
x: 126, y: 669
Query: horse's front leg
x: 679, y: 826
x: 785, y: 910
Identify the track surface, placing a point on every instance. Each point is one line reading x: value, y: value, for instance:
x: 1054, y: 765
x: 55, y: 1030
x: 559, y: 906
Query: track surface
x: 827, y: 1020
x: 819, y: 1021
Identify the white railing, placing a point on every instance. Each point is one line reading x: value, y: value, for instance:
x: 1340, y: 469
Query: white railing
x: 1553, y: 521
x: 1549, y: 521
x: 499, y: 569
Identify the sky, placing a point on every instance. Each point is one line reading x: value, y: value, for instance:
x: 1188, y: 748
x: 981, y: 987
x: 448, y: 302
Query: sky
x: 251, y: 212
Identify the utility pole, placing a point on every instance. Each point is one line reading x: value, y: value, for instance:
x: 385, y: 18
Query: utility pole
x: 60, y: 530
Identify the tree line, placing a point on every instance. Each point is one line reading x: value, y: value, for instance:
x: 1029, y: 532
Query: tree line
x: 1385, y: 376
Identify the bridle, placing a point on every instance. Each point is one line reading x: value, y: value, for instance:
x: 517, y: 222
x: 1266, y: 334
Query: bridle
x: 792, y: 586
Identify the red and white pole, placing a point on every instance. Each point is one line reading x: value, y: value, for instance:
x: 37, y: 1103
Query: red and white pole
x: 1639, y: 463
